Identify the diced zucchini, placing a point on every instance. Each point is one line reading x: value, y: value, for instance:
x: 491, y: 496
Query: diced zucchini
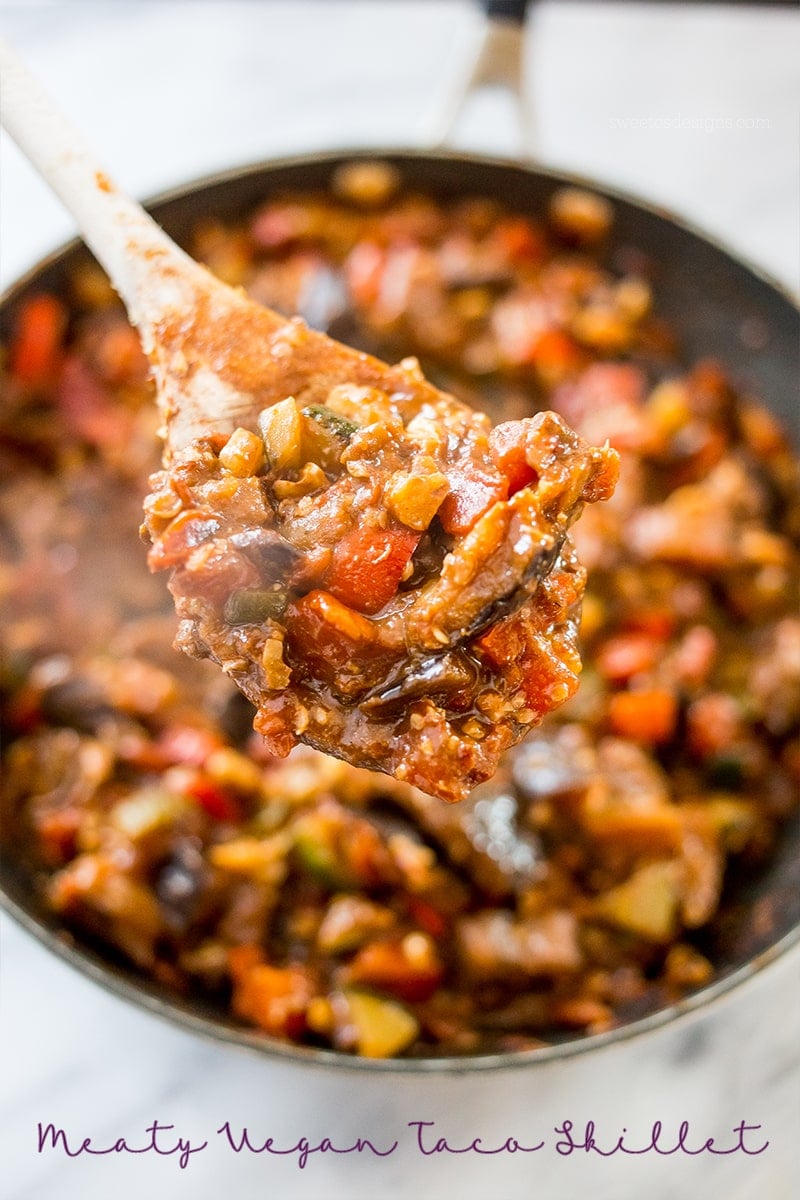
x: 332, y: 421
x: 383, y: 1027
x: 316, y: 852
x: 325, y: 435
x: 349, y: 921
x: 254, y: 606
x: 646, y: 904
x: 146, y: 811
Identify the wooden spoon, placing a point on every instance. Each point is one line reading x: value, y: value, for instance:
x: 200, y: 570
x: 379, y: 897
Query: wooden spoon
x: 218, y: 358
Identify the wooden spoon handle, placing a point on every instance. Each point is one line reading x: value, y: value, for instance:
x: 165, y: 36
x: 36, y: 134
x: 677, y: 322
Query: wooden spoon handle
x: 150, y: 273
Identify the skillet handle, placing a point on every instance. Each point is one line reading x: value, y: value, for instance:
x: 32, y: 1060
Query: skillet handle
x: 498, y: 62
x: 506, y: 10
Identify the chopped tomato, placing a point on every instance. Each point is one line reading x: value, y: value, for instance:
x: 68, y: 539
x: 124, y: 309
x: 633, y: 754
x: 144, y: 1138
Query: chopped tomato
x: 364, y: 272
x: 218, y: 576
x: 520, y: 239
x: 658, y: 622
x: 24, y: 710
x: 279, y: 224
x: 602, y: 387
x: 646, y: 716
x: 509, y: 454
x: 57, y: 830
x: 188, y: 744
x: 470, y: 496
x: 715, y: 722
x: 327, y: 633
x: 627, y: 654
x: 367, y: 566
x: 321, y: 615
x: 189, y: 529
x: 35, y: 351
x: 695, y: 655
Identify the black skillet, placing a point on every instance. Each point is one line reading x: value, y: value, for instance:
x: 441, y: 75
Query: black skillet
x: 718, y: 306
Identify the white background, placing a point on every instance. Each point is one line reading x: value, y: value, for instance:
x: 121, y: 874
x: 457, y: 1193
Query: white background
x: 167, y: 91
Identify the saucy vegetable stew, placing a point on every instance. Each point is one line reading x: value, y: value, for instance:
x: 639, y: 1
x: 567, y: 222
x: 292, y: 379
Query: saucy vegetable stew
x: 382, y: 575
x: 331, y: 906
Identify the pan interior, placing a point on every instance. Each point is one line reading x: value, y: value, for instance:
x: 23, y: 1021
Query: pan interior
x: 718, y: 307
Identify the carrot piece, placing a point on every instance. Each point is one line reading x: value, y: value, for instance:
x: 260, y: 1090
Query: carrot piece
x: 554, y: 351
x: 519, y: 239
x: 646, y: 716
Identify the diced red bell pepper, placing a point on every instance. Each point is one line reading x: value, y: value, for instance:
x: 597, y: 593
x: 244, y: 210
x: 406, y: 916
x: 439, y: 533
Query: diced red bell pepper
x: 215, y: 800
x: 367, y: 566
x: 427, y: 917
x: 88, y: 407
x: 472, y: 492
x: 38, y: 338
x: 388, y: 966
x: 320, y: 624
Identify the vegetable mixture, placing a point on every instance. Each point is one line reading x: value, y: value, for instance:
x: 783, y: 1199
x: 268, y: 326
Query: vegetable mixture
x: 321, y: 903
x: 384, y: 577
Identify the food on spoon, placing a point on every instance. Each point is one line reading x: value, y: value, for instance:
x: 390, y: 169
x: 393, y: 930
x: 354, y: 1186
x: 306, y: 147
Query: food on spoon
x: 384, y: 576
x: 602, y: 873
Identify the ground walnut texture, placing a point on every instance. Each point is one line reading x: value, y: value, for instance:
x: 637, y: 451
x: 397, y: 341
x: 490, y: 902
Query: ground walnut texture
x: 385, y: 576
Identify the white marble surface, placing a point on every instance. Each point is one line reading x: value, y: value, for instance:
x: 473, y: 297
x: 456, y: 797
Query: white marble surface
x: 171, y: 90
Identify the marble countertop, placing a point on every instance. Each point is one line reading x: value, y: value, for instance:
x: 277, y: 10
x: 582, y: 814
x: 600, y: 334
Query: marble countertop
x: 696, y: 108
